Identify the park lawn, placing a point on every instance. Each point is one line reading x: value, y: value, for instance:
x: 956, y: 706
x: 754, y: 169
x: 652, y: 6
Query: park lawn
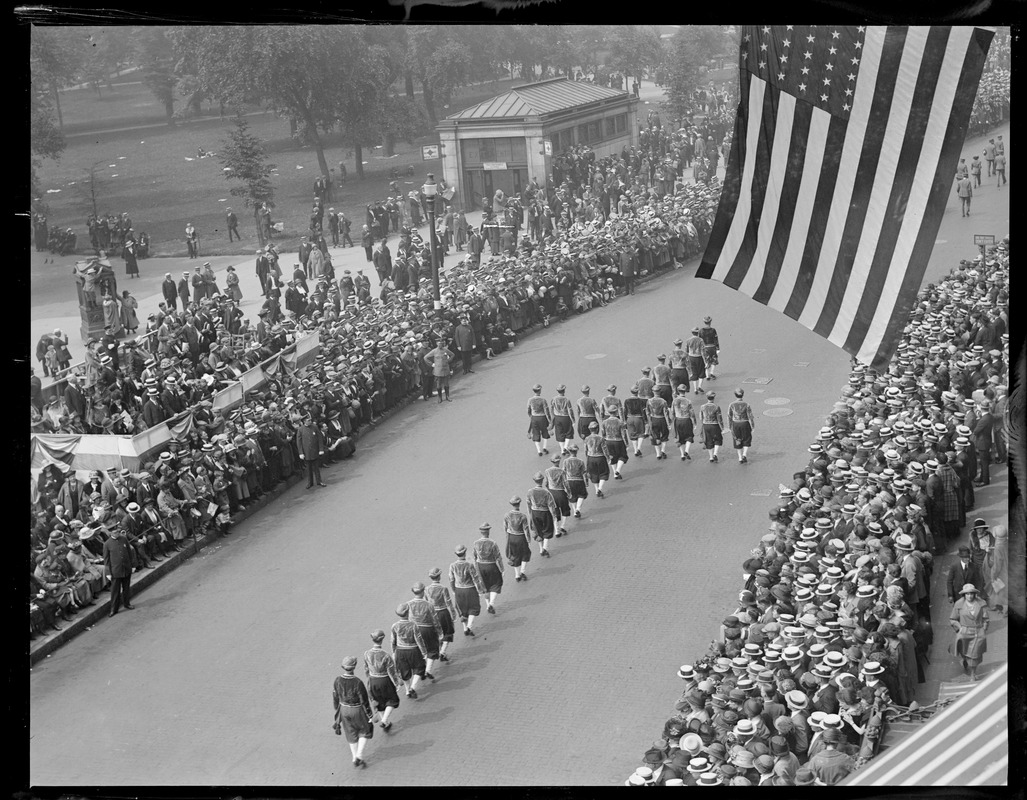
x: 162, y: 191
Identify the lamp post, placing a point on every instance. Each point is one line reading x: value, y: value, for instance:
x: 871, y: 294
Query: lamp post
x: 430, y: 190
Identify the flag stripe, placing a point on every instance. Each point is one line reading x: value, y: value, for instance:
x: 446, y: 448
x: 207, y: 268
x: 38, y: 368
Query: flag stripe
x: 912, y: 170
x: 822, y: 247
x: 955, y: 133
x: 806, y: 260
x: 757, y: 92
x: 771, y: 253
x: 732, y: 187
x: 857, y: 184
x: 770, y: 164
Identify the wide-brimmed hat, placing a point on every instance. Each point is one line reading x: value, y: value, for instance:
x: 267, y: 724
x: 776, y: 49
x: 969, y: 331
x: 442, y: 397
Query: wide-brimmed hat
x: 969, y: 588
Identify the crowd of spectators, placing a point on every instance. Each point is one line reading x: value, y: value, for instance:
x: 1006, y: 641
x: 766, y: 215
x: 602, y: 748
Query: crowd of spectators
x: 833, y: 622
x: 371, y: 358
x: 991, y: 105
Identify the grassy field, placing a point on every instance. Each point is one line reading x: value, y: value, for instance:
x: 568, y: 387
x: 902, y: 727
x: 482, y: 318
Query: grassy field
x: 147, y: 171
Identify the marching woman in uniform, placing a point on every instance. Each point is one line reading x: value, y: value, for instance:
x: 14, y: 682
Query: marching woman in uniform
x: 739, y: 416
x: 635, y: 419
x: 659, y: 424
x: 382, y: 678
x: 577, y: 487
x: 467, y: 589
x: 563, y: 418
x: 352, y: 710
x: 597, y: 458
x: 684, y: 421
x: 540, y: 419
x: 442, y: 601
x: 588, y: 412
x: 556, y: 485
x: 712, y: 425
x: 489, y: 563
x: 518, y: 549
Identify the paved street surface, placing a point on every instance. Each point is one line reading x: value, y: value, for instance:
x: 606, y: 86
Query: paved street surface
x: 223, y: 673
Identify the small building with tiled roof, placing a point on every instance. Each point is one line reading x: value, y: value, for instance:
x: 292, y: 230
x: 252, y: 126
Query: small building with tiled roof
x: 504, y: 142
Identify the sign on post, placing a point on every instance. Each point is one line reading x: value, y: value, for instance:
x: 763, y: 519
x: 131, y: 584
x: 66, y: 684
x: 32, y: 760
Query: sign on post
x: 429, y: 152
x: 983, y: 239
x: 547, y: 147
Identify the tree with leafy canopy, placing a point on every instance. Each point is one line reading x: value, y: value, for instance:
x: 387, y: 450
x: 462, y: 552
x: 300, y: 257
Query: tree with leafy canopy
x: 635, y: 48
x: 156, y: 56
x: 54, y: 62
x: 440, y: 61
x: 691, y: 49
x: 245, y: 159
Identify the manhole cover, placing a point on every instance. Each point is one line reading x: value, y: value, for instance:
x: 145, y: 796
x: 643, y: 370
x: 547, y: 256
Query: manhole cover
x: 777, y: 401
x: 761, y: 381
x: 778, y: 412
x: 594, y: 356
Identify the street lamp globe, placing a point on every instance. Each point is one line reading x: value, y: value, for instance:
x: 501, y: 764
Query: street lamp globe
x: 430, y: 188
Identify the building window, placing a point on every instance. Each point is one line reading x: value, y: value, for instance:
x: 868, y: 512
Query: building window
x: 503, y: 152
x: 487, y: 148
x: 595, y: 131
x: 472, y: 155
x: 611, y: 130
x: 519, y: 151
x: 583, y: 134
x: 621, y: 123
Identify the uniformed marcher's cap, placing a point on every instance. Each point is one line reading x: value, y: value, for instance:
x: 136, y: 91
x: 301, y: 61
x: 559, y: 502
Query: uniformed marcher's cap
x: 515, y: 500
x: 710, y: 395
x: 593, y: 426
x: 586, y: 389
x: 555, y: 459
x: 739, y: 392
x: 377, y: 635
x: 695, y: 331
x: 417, y: 588
x: 634, y: 389
x: 678, y: 342
x: 402, y: 609
x: 682, y: 388
x: 707, y: 319
x: 537, y: 477
x: 612, y: 387
x: 537, y: 387
x: 484, y: 527
x: 349, y: 663
x: 435, y: 573
x: 661, y: 357
x: 460, y: 550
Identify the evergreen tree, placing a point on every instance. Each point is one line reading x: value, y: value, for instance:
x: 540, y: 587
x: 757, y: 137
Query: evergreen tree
x: 246, y: 161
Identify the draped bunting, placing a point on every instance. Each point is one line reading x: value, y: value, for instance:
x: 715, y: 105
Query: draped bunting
x: 55, y: 449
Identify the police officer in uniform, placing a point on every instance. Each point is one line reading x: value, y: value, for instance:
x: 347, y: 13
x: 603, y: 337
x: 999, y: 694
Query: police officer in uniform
x: 695, y: 349
x: 711, y: 346
x: 712, y: 426
x: 382, y: 678
x: 408, y: 650
x: 442, y: 601
x: 518, y: 549
x: 588, y: 412
x: 422, y: 614
x: 540, y: 418
x: 556, y: 484
x: 563, y: 418
x: 659, y: 424
x: 352, y: 710
x: 489, y: 563
x: 739, y: 415
x: 577, y: 487
x: 684, y: 421
x: 597, y: 455
x: 635, y: 419
x: 467, y: 588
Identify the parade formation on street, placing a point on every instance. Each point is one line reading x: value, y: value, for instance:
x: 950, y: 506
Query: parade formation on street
x: 309, y: 476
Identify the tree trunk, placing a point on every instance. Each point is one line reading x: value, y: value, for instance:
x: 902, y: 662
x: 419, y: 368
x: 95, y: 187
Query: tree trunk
x: 315, y: 139
x: 390, y: 144
x: 358, y: 155
x: 169, y: 110
x: 429, y: 102
x: 57, y: 105
x: 408, y: 83
x: 293, y: 124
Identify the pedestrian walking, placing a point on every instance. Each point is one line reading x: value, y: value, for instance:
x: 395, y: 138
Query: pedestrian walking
x: 695, y: 348
x: 542, y: 513
x: 635, y: 420
x: 616, y: 435
x: 422, y: 614
x: 408, y: 650
x: 588, y: 412
x: 539, y: 419
x: 192, y: 240
x: 467, y: 589
x: 742, y: 422
x: 597, y: 458
x: 352, y: 710
x: 658, y: 413
x: 556, y: 485
x: 1000, y: 168
x: 969, y: 619
x: 489, y: 563
x: 975, y: 170
x: 442, y: 601
x: 965, y: 192
x: 382, y: 679
x: 989, y: 156
x: 684, y: 421
x: 518, y: 549
x: 563, y: 418
x: 711, y: 347
x: 713, y: 426
x: 575, y: 471
x: 117, y: 561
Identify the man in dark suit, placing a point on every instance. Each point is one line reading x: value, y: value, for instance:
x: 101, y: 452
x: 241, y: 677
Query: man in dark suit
x: 963, y: 572
x: 982, y: 441
x: 153, y: 414
x: 74, y: 399
x: 170, y: 291
x: 233, y: 225
x: 183, y: 291
x: 311, y: 448
x: 117, y: 560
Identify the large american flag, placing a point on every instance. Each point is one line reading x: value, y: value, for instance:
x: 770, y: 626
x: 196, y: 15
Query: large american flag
x: 844, y: 153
